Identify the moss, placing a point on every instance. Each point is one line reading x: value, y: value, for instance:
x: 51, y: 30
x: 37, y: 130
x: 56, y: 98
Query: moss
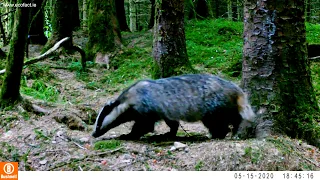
x: 103, y: 29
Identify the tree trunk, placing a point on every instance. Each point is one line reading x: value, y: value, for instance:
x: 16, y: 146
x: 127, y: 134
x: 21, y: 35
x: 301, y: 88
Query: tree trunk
x: 84, y: 15
x: 104, y: 31
x: 217, y: 7
x: 276, y: 72
x: 307, y: 10
x: 121, y: 15
x: 152, y: 14
x: 61, y: 24
x: 169, y: 48
x: 229, y: 8
x: 36, y: 30
x: 133, y: 15
x: 10, y: 20
x: 190, y: 10
x: 11, y: 85
x: 3, y: 33
x: 202, y: 9
x: 239, y: 10
x: 75, y: 15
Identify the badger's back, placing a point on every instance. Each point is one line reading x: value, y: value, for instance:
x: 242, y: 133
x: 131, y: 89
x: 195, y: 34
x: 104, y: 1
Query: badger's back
x: 186, y: 97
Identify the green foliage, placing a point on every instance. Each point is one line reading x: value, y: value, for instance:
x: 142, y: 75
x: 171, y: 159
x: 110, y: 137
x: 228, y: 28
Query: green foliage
x: 107, y: 145
x: 254, y: 155
x: 9, y: 152
x: 40, y: 90
x: 214, y: 44
x: 315, y: 71
x: 313, y: 33
x: 130, y: 65
x: 198, y: 166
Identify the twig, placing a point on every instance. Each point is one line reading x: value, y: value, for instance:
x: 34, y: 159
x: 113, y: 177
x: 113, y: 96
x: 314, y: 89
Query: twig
x: 80, y: 168
x: 109, y: 152
x: 184, y: 130
x: 79, y: 145
x: 32, y: 145
x: 314, y: 163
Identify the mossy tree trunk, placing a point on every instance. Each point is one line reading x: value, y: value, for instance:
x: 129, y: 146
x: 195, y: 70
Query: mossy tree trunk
x: 229, y: 8
x: 84, y: 14
x: 62, y: 25
x: 169, y: 46
x: 121, y: 15
x: 104, y: 31
x: 133, y: 15
x: 276, y: 71
x: 10, y: 19
x: 36, y: 30
x: 10, y: 90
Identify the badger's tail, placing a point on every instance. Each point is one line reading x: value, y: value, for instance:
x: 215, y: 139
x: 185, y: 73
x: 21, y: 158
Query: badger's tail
x: 244, y: 108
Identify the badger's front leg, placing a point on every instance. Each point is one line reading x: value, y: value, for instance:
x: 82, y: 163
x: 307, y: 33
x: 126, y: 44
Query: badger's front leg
x: 174, y: 125
x: 139, y: 129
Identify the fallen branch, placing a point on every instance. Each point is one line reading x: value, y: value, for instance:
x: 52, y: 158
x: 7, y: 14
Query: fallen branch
x: 39, y: 109
x: 44, y: 55
x: 313, y: 58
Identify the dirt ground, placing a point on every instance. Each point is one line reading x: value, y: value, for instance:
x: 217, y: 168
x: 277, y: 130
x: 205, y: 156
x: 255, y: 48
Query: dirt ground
x: 60, y: 140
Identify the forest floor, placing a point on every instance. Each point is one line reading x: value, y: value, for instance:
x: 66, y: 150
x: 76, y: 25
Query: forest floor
x: 61, y: 138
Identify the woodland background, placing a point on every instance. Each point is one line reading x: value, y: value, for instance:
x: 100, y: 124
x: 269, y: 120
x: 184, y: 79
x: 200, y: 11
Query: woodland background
x: 62, y: 60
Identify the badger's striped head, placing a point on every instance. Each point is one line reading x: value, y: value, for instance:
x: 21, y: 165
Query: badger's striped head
x: 108, y: 117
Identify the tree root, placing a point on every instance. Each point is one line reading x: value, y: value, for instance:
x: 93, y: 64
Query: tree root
x: 30, y: 107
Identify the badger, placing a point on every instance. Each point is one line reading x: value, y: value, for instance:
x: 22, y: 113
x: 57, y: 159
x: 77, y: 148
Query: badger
x: 216, y: 102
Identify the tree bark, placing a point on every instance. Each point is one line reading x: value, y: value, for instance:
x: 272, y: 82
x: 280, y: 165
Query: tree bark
x: 276, y: 71
x: 75, y: 15
x: 104, y: 31
x: 36, y: 30
x: 84, y: 15
x: 152, y: 14
x: 10, y: 20
x: 133, y: 15
x: 169, y: 48
x: 4, y: 39
x: 10, y: 90
x: 61, y: 24
x: 229, y: 8
x: 121, y: 15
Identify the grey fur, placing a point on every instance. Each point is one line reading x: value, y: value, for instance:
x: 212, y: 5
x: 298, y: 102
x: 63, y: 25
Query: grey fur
x: 211, y: 99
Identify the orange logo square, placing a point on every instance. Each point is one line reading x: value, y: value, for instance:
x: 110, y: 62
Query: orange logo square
x: 8, y: 170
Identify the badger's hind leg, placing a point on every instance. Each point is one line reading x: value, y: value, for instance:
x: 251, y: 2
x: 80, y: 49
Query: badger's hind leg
x: 139, y: 129
x: 174, y: 126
